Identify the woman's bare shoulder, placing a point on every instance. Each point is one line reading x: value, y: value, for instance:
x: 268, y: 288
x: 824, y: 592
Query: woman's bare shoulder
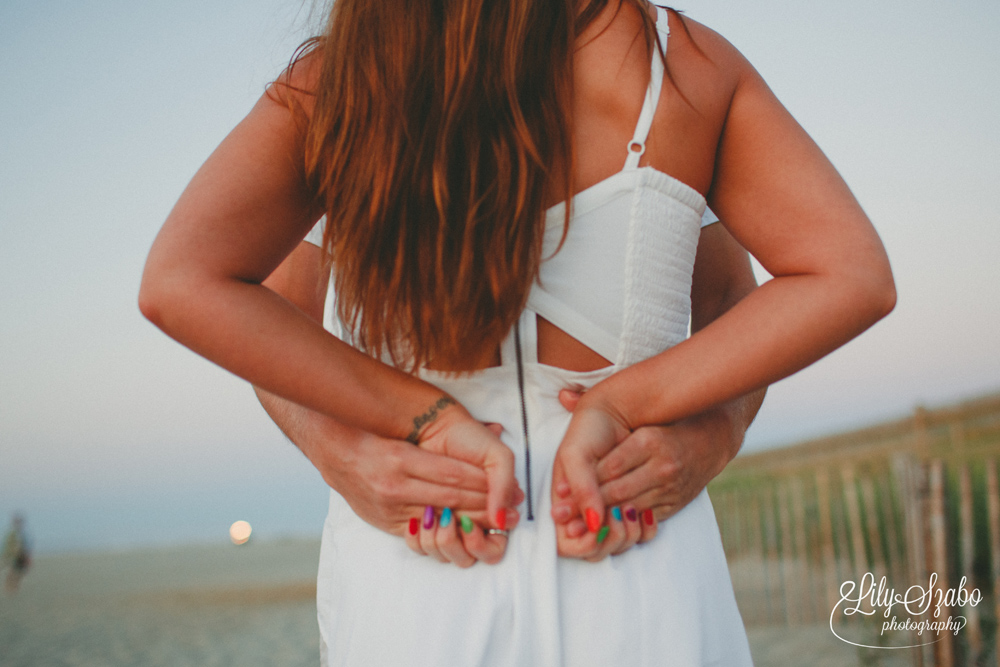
x: 702, y: 59
x: 296, y: 86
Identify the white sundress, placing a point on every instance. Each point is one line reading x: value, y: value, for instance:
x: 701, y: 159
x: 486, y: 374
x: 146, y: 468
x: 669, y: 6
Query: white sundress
x: 620, y: 284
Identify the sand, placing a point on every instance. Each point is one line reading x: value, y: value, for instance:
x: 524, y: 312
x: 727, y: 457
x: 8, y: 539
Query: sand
x: 225, y: 605
x: 199, y: 605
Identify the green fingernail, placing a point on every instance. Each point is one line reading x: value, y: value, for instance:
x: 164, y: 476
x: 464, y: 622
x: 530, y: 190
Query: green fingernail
x: 466, y: 525
x: 616, y: 512
x: 603, y: 533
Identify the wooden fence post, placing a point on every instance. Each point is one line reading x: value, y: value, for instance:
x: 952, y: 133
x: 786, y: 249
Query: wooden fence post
x: 907, y: 472
x: 757, y: 551
x: 854, y: 519
x: 879, y: 567
x: 943, y: 651
x: 968, y: 535
x: 826, y: 538
x: 793, y: 616
x: 775, y: 598
x: 802, y: 549
x: 993, y: 505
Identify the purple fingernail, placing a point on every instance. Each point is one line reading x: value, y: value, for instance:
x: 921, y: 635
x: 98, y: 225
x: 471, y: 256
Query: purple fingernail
x: 630, y: 513
x: 428, y: 517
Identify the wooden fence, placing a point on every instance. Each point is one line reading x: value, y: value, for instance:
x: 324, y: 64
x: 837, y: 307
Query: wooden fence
x: 902, y: 500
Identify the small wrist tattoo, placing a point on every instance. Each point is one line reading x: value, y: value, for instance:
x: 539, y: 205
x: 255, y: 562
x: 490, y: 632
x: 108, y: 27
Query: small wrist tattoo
x: 428, y: 417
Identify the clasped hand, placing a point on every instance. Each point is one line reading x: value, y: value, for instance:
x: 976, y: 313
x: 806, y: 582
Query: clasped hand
x: 641, y: 478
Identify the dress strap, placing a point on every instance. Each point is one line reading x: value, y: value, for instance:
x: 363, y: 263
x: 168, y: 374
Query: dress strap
x: 637, y: 146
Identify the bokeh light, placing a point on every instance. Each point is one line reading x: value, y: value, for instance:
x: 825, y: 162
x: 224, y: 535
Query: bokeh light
x: 239, y: 532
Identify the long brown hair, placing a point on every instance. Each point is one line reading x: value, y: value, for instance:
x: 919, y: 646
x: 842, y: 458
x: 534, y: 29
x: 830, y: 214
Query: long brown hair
x: 431, y: 146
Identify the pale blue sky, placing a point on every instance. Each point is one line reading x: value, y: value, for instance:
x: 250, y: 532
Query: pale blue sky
x: 110, y: 434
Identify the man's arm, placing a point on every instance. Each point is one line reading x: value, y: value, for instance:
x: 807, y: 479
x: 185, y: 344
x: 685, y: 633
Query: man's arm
x: 385, y: 481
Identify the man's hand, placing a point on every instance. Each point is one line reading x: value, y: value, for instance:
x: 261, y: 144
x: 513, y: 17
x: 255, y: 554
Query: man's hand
x: 648, y: 477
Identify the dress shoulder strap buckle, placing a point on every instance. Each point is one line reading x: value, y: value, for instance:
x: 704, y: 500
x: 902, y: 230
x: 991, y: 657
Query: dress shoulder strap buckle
x: 637, y: 146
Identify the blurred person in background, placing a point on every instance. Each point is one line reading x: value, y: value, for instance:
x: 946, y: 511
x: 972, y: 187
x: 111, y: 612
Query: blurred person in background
x: 16, y: 557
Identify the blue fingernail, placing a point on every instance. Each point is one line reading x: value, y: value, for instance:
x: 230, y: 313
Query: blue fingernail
x: 445, y: 517
x: 616, y: 512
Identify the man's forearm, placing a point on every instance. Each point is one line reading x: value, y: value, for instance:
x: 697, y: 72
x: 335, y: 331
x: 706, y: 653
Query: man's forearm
x: 305, y: 427
x: 729, y: 422
x: 288, y: 416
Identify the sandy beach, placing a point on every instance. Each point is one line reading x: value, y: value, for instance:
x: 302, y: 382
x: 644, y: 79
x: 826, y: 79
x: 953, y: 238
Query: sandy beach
x: 198, y: 605
x: 218, y: 605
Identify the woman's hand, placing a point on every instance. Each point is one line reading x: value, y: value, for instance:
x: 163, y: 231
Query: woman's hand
x: 592, y: 434
x: 455, y: 434
x: 390, y: 484
x: 651, y: 475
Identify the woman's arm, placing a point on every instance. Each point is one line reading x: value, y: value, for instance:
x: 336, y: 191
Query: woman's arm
x: 386, y: 481
x: 243, y: 212
x: 781, y: 199
x: 688, y: 454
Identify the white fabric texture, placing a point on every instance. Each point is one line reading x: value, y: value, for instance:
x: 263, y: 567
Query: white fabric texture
x: 620, y: 284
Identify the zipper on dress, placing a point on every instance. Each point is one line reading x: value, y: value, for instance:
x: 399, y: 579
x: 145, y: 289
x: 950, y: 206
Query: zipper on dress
x: 524, y: 420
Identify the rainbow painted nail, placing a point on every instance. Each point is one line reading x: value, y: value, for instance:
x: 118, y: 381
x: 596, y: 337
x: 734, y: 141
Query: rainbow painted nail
x: 631, y: 515
x: 602, y: 534
x: 593, y: 519
x: 466, y: 525
x: 647, y: 516
x: 502, y: 519
x: 616, y: 512
x: 414, y: 526
x: 445, y: 517
x: 428, y: 517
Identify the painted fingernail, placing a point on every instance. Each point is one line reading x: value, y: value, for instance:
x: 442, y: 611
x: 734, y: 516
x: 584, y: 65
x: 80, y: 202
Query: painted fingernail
x: 630, y: 513
x: 616, y: 512
x: 466, y: 525
x: 647, y: 516
x: 428, y: 517
x: 603, y: 533
x: 445, y: 517
x: 414, y: 526
x: 593, y: 519
x: 502, y: 519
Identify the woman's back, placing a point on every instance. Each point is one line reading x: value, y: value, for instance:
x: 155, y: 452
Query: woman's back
x: 612, y: 72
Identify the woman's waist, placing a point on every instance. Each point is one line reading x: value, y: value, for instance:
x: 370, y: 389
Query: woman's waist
x: 539, y: 380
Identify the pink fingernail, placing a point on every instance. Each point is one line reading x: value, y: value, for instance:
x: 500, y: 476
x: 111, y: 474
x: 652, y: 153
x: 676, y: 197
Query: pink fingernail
x: 630, y: 513
x: 428, y: 517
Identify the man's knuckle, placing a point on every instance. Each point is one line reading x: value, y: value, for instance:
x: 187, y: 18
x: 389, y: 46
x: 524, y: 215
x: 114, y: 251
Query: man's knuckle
x: 452, y: 498
x: 666, y: 471
x: 648, y: 444
x: 392, y: 493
